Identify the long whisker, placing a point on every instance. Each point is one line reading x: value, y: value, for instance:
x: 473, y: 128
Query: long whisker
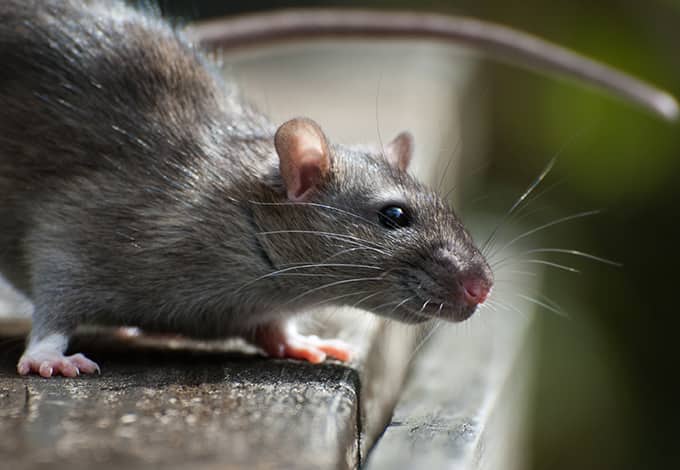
x: 575, y: 253
x: 511, y: 307
x: 356, y: 304
x: 337, y: 236
x: 548, y: 225
x: 470, y: 174
x: 314, y: 204
x: 448, y: 164
x: 543, y: 304
x: 519, y: 201
x: 333, y: 284
x: 522, y: 273
x: 386, y: 304
x: 546, y: 263
x: 377, y: 116
x: 549, y: 301
x: 425, y: 339
x: 521, y: 216
x: 557, y: 250
x: 337, y: 297
x: 315, y: 232
x: 308, y: 266
x: 348, y: 250
x: 538, y: 180
x: 400, y: 304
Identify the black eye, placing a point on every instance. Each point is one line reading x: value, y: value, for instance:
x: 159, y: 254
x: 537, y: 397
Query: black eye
x: 394, y: 217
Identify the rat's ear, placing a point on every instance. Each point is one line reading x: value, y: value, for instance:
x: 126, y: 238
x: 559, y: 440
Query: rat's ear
x: 304, y: 158
x: 400, y: 150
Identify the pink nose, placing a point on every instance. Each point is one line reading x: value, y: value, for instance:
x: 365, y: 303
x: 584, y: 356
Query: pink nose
x: 475, y: 291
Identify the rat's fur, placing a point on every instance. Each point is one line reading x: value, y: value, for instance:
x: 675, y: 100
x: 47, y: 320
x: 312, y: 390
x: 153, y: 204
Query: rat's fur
x: 137, y: 189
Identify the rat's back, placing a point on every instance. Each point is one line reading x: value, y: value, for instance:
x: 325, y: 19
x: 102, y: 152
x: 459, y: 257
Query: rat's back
x: 81, y: 79
x: 96, y: 98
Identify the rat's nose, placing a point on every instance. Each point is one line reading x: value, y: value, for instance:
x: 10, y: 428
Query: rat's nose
x: 475, y: 290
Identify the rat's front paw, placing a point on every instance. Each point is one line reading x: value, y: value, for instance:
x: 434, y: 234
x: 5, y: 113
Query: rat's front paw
x: 48, y: 364
x: 285, y: 342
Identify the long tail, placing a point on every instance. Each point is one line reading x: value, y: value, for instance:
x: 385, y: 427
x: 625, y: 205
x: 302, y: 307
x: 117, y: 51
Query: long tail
x: 502, y: 43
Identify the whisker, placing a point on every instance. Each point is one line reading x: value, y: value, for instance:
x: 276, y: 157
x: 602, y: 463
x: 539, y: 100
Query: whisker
x: 315, y: 204
x: 348, y: 250
x: 333, y: 284
x: 400, y: 304
x: 509, y: 306
x: 519, y: 201
x: 339, y: 236
x: 543, y: 304
x: 508, y: 281
x: 549, y: 301
x: 316, y: 232
x: 575, y: 253
x: 470, y: 174
x: 337, y: 297
x: 548, y: 225
x: 355, y: 305
x: 386, y: 304
x: 377, y: 116
x: 308, y: 266
x: 445, y: 173
x: 522, y: 273
x: 540, y: 178
x: 309, y: 275
x: 425, y: 339
x: 520, y: 216
x: 548, y: 263
x: 558, y: 250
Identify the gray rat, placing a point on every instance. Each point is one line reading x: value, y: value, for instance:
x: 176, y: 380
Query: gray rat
x: 137, y: 189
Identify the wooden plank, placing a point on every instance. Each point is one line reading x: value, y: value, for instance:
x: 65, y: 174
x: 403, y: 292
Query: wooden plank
x: 177, y: 404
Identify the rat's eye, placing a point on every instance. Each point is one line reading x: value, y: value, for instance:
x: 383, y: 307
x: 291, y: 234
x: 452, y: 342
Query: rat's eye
x: 394, y: 217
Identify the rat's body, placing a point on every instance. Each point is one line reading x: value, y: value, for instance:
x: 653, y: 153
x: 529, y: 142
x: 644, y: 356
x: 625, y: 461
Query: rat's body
x: 136, y: 189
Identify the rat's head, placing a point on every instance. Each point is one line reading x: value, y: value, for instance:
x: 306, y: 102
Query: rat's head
x: 356, y: 229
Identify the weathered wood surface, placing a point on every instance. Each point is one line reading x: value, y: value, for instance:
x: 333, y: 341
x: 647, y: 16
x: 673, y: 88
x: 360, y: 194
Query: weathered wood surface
x: 174, y: 405
x: 464, y: 405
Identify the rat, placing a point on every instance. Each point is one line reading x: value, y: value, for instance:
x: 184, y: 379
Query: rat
x: 137, y: 188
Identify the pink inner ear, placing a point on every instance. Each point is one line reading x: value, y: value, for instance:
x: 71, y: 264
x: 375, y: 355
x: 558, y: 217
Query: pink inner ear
x: 309, y: 176
x: 304, y: 159
x: 400, y: 150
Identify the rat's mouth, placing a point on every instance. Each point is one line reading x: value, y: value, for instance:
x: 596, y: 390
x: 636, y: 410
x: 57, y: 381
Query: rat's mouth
x: 447, y: 311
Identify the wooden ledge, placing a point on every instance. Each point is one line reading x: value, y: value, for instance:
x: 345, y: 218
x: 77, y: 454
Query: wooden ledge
x: 180, y: 404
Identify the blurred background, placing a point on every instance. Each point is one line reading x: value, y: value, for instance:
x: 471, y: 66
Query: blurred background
x: 605, y: 384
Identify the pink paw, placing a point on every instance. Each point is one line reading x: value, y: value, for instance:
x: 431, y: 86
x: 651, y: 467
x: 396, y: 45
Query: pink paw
x: 48, y: 364
x: 285, y: 342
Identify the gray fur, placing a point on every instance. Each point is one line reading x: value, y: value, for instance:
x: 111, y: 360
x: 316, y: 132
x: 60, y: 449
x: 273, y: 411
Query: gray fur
x: 137, y: 189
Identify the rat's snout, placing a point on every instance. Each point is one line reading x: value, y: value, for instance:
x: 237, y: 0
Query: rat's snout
x: 472, y: 281
x: 475, y: 289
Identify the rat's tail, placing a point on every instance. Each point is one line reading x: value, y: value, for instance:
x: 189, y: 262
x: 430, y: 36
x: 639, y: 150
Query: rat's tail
x: 503, y: 43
